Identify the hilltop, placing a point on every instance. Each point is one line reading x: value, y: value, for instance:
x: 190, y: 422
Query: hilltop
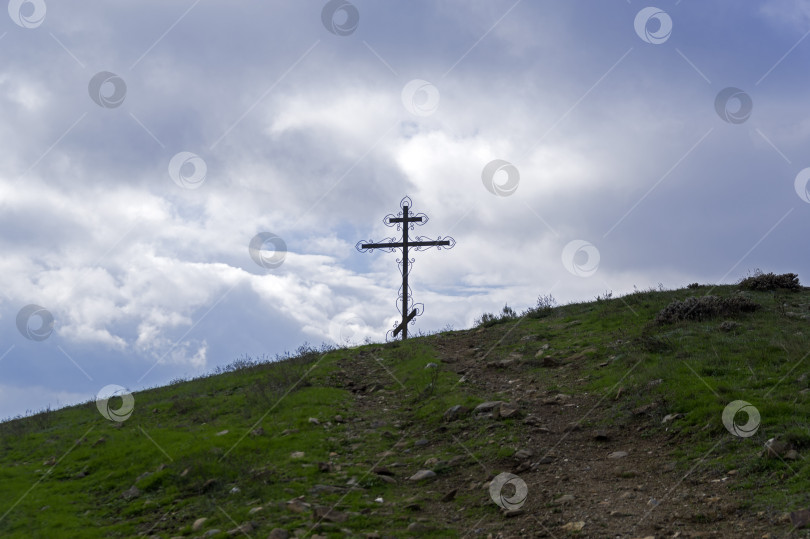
x: 611, y: 413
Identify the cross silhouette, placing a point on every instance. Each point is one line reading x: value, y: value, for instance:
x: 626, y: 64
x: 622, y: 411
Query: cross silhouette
x: 405, y: 220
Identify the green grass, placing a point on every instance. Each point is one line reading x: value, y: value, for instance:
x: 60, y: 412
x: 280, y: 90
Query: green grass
x: 175, y: 451
x: 703, y: 368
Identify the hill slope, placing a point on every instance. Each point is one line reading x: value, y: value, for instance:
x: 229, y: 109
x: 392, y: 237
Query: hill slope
x: 613, y: 422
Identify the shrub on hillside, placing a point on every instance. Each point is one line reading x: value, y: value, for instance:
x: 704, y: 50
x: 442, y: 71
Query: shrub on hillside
x: 770, y: 281
x: 704, y: 307
x: 545, y: 306
x: 489, y: 319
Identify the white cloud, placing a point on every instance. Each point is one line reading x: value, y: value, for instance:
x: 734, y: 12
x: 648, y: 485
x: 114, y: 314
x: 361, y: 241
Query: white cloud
x: 318, y: 148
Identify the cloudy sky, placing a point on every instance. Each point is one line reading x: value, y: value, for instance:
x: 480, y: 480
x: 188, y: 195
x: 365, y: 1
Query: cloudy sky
x: 568, y: 147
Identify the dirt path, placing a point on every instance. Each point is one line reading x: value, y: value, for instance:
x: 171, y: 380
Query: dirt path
x: 582, y: 480
x: 619, y: 482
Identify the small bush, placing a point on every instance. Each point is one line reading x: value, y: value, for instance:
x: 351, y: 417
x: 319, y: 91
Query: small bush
x: 692, y: 286
x: 704, y: 307
x: 545, y: 305
x: 237, y: 364
x: 486, y: 320
x: 770, y: 281
x: 489, y: 319
x: 604, y: 297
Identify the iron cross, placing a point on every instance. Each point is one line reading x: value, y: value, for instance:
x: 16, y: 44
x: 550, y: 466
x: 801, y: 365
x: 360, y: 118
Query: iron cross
x: 405, y: 220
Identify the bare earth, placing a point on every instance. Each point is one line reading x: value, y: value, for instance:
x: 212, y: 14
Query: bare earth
x: 575, y: 488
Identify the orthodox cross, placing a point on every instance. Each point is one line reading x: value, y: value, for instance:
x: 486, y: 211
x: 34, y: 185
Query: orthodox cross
x: 404, y: 221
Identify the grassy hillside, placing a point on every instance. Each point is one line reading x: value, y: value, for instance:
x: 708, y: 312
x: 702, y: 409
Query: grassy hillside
x: 612, y: 418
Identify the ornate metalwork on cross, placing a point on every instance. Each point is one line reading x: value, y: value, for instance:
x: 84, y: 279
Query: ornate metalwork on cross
x: 405, y: 221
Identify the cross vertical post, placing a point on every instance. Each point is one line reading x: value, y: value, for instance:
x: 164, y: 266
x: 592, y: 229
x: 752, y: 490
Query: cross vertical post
x: 404, y: 221
x: 404, y: 324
